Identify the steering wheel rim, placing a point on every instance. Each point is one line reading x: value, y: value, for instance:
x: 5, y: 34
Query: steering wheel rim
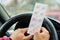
x: 13, y: 20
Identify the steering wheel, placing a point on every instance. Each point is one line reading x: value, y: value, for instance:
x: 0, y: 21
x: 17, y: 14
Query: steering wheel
x: 24, y: 20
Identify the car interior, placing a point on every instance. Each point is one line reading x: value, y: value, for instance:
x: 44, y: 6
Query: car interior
x: 23, y: 20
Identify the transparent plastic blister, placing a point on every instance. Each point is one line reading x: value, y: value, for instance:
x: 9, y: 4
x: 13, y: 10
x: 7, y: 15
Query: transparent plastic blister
x: 37, y: 17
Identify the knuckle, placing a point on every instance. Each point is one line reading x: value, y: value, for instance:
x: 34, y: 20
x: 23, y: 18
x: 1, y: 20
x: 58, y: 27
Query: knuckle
x: 47, y: 32
x: 18, y: 29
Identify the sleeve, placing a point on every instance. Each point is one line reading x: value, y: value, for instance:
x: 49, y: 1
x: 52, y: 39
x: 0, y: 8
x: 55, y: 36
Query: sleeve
x: 7, y: 38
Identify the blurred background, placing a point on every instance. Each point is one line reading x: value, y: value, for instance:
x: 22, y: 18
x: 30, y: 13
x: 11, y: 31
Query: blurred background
x: 15, y: 7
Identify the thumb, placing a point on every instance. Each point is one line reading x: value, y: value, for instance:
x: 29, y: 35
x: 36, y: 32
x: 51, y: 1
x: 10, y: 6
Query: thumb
x: 36, y: 34
x: 44, y: 30
x: 27, y: 37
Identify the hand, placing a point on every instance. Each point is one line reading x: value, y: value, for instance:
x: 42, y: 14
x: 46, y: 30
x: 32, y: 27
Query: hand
x: 43, y: 35
x: 19, y: 35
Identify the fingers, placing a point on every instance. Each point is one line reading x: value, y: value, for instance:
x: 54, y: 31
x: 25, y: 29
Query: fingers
x: 27, y: 37
x: 36, y: 33
x: 22, y: 30
x: 44, y: 30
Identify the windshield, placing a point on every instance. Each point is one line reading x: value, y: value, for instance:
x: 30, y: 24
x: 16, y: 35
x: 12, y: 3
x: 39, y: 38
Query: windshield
x: 15, y: 7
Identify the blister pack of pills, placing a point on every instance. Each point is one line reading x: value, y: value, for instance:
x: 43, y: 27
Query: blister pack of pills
x: 37, y: 17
